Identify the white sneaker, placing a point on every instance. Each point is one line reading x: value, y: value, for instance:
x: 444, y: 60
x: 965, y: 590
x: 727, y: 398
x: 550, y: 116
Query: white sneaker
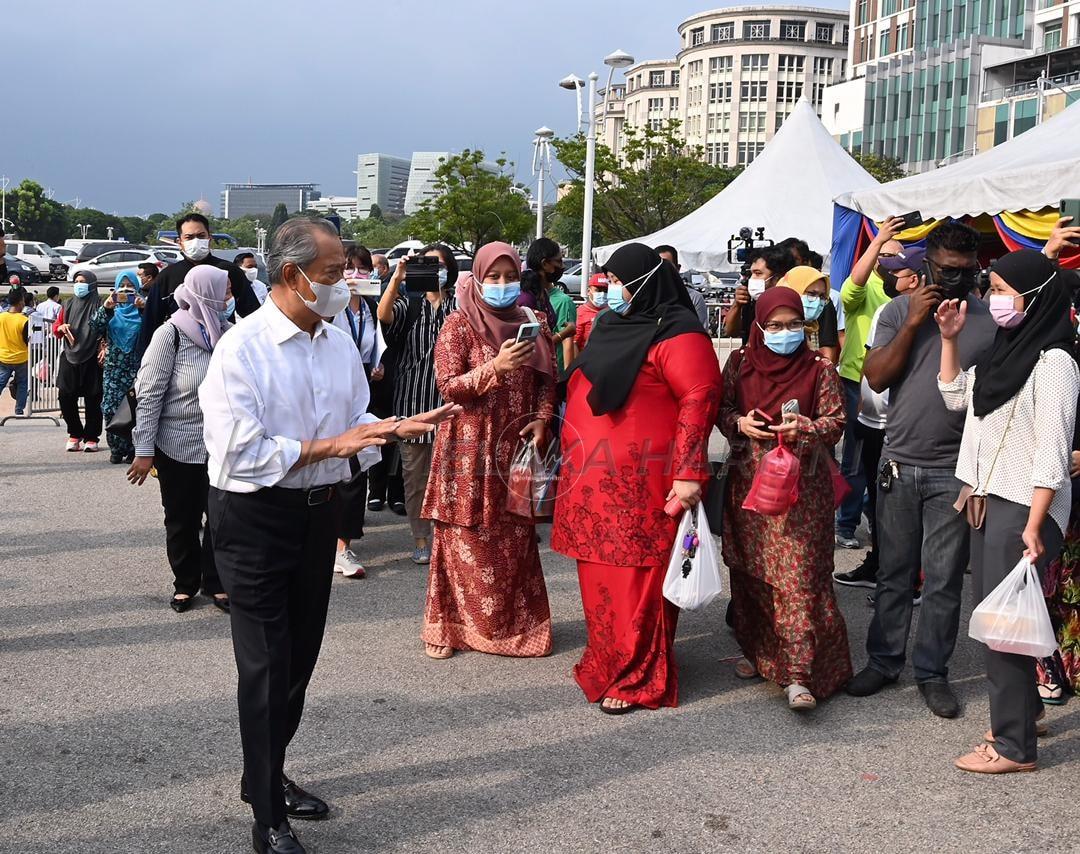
x: 348, y: 564
x: 74, y: 445
x: 90, y: 447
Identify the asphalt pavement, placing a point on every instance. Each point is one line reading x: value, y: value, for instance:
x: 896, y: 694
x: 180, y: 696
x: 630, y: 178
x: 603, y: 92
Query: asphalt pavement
x: 118, y: 727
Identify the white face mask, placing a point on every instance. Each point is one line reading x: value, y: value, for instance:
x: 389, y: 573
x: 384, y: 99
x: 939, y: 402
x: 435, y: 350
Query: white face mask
x: 756, y: 287
x: 330, y: 300
x: 252, y: 273
x: 195, y: 248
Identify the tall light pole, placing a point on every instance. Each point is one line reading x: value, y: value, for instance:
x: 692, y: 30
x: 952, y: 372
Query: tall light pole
x: 541, y: 163
x: 4, y: 181
x: 618, y: 59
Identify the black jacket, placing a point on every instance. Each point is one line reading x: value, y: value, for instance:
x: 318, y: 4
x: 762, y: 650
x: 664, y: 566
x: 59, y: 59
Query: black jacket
x: 160, y: 303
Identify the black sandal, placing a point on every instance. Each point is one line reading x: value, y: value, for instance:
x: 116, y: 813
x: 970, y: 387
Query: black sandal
x: 181, y: 605
x: 221, y: 603
x: 617, y: 710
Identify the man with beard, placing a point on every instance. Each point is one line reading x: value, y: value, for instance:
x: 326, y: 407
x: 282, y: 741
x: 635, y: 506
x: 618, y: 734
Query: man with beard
x: 193, y: 237
x: 919, y: 527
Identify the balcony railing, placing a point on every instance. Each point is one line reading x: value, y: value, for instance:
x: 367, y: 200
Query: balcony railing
x: 1017, y: 90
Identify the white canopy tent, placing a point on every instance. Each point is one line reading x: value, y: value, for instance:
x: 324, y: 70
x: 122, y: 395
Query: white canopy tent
x: 1034, y: 170
x: 788, y: 190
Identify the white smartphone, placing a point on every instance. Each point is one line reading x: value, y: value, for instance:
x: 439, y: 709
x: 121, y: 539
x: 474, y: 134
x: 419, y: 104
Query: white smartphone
x: 527, y: 332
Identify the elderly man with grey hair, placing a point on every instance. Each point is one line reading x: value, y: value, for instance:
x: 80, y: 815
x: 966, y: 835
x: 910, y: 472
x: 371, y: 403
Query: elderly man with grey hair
x: 285, y: 405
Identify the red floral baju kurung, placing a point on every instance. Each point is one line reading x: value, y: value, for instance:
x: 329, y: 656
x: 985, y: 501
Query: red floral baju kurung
x: 486, y: 587
x: 617, y: 471
x: 787, y: 620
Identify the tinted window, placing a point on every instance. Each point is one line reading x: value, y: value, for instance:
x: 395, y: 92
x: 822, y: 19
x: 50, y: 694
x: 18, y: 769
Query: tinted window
x: 111, y: 258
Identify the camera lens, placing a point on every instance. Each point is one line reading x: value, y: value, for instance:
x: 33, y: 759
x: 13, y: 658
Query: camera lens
x: 745, y: 233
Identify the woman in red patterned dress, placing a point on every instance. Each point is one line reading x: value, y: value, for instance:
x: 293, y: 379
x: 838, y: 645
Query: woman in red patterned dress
x: 786, y: 617
x: 642, y: 399
x: 486, y: 586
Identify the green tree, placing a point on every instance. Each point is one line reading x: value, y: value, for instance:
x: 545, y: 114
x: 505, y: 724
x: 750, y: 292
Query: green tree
x: 378, y: 234
x: 659, y: 180
x: 34, y: 216
x: 474, y: 206
x: 884, y: 169
x: 375, y: 213
x: 281, y: 213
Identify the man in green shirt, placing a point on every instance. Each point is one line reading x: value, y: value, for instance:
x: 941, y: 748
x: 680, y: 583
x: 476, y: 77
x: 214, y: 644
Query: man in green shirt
x: 566, y: 314
x: 862, y: 295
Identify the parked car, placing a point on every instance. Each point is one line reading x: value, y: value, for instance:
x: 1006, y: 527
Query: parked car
x: 67, y: 255
x: 108, y: 265
x: 171, y: 253
x: 99, y: 247
x: 571, y: 278
x: 38, y: 255
x: 27, y: 274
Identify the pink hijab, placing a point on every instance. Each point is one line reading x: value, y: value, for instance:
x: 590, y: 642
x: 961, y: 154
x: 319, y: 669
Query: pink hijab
x: 201, y: 298
x: 496, y: 325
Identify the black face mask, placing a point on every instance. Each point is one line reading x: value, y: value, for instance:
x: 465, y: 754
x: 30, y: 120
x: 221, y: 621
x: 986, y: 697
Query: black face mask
x: 957, y: 284
x: 889, y: 282
x: 556, y: 274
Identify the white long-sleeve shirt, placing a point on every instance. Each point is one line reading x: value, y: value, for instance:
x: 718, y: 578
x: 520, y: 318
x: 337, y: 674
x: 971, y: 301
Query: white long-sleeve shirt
x: 271, y: 386
x: 1036, y: 446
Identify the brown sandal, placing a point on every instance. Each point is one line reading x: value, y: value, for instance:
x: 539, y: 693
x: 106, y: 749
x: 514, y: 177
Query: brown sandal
x: 744, y: 669
x: 439, y: 653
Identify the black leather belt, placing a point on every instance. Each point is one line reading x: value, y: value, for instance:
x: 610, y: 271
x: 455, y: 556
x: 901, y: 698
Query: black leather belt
x: 315, y: 497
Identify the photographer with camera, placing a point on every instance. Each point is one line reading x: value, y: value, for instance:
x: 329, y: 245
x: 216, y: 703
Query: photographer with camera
x: 766, y: 268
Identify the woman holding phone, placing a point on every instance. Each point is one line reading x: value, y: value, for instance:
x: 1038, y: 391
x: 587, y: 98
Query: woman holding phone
x: 641, y: 402
x: 786, y: 618
x: 119, y: 319
x: 79, y: 372
x: 486, y: 587
x: 1015, y: 454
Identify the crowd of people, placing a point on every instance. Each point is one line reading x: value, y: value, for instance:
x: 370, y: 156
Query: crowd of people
x: 275, y: 418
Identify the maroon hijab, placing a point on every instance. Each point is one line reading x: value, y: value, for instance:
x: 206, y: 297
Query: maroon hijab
x: 496, y: 325
x: 766, y: 381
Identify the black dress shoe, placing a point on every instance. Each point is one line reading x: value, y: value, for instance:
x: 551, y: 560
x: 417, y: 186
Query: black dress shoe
x: 375, y: 505
x: 398, y: 507
x: 220, y: 604
x: 298, y: 803
x: 181, y: 605
x: 866, y: 682
x: 275, y: 840
x: 940, y: 699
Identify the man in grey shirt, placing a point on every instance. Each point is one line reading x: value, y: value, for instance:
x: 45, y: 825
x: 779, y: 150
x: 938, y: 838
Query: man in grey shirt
x: 919, y: 529
x: 669, y: 253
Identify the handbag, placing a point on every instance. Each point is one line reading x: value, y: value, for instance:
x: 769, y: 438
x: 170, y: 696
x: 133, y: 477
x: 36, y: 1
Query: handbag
x: 122, y: 421
x: 775, y: 489
x: 973, y: 501
x: 713, y: 502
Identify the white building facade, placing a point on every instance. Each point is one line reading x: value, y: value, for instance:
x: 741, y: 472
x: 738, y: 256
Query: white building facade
x: 383, y: 180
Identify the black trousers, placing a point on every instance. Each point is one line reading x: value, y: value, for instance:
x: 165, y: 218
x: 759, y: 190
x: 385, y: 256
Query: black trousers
x: 870, y: 443
x: 184, y: 489
x: 354, y: 493
x: 385, y: 482
x: 1014, y: 693
x: 276, y: 557
x: 73, y: 382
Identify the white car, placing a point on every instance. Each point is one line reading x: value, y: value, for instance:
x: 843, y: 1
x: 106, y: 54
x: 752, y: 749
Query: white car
x: 108, y: 266
x: 39, y: 255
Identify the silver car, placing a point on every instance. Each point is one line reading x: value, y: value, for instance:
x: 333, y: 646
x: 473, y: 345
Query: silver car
x: 108, y: 266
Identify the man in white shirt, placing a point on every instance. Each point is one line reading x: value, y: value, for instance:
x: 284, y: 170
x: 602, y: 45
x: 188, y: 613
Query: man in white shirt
x: 285, y: 408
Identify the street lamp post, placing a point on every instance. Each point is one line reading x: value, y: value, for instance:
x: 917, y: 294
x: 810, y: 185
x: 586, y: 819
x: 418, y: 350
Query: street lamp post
x: 4, y: 181
x: 618, y: 59
x: 541, y: 162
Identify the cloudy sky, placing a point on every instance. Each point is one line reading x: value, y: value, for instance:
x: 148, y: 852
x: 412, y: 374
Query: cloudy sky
x: 137, y: 106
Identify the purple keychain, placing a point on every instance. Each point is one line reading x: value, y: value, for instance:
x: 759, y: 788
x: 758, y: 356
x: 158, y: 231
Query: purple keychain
x: 690, y: 544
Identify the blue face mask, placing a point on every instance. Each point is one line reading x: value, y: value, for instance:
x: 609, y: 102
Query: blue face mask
x: 615, y: 299
x: 812, y: 307
x: 82, y: 289
x: 785, y: 342
x: 599, y: 298
x: 230, y: 306
x: 502, y: 296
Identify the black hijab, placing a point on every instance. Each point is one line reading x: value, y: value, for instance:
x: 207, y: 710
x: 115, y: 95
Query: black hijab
x: 618, y: 344
x: 1005, y: 367
x: 79, y: 315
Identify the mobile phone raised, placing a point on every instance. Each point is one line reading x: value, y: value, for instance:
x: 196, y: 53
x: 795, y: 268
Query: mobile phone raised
x: 912, y: 220
x: 1071, y: 207
x: 422, y: 274
x: 527, y: 332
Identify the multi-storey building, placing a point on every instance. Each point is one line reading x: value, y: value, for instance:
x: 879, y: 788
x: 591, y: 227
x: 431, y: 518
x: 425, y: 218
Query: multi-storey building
x: 918, y: 67
x: 738, y: 75
x: 343, y: 206
x: 381, y: 179
x: 239, y: 200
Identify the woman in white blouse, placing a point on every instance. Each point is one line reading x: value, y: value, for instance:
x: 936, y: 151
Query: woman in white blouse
x: 1021, y: 409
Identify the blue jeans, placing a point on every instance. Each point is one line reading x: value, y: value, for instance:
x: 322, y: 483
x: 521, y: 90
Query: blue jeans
x: 22, y: 378
x: 847, y: 517
x: 918, y: 528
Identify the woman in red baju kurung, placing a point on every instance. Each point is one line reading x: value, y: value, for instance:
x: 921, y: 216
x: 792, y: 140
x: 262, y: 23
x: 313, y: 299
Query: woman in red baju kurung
x: 642, y: 399
x: 486, y: 587
x: 786, y: 618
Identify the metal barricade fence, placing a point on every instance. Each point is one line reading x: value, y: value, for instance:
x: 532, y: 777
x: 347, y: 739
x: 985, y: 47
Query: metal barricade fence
x: 43, y: 398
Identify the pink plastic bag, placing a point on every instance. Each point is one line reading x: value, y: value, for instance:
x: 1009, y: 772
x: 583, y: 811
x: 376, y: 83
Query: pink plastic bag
x: 776, y: 484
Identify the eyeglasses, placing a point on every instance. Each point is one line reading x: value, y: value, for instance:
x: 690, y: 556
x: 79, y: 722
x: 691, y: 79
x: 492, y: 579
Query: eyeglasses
x: 790, y: 326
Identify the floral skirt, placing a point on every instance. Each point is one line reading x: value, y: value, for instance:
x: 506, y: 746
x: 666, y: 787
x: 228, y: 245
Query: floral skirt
x: 1062, y: 587
x: 486, y: 590
x: 630, y: 652
x: 792, y: 636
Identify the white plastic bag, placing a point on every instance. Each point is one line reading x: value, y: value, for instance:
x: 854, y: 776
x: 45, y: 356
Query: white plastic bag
x: 1013, y: 617
x: 693, y: 575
